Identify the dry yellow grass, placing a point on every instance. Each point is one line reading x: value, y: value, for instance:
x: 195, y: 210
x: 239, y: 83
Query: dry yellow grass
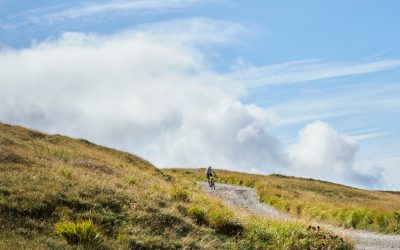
x: 51, y: 186
x: 324, y: 201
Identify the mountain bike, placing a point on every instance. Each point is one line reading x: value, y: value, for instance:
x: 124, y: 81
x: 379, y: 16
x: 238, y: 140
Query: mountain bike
x: 211, y: 183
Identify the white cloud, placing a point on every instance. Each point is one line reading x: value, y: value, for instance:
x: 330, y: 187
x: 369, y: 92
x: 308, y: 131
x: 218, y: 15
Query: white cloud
x: 391, y: 167
x: 152, y: 91
x: 338, y: 100
x: 302, y: 118
x: 321, y: 152
x: 64, y: 13
x: 367, y: 136
x: 94, y: 9
x: 148, y: 91
x: 194, y: 31
x: 307, y: 70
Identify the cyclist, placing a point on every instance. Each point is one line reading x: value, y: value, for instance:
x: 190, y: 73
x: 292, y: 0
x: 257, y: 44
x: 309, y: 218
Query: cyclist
x: 209, y: 172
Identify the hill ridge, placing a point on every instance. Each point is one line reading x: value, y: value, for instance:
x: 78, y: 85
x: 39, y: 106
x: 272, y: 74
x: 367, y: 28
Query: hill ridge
x: 62, y: 193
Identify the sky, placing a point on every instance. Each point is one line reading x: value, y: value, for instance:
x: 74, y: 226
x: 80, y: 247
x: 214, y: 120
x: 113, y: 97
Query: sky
x: 304, y: 88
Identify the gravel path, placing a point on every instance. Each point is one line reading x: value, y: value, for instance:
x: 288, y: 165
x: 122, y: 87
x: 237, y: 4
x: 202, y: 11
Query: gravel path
x: 247, y: 198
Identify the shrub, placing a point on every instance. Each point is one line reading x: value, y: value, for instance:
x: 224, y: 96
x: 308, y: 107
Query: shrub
x: 78, y: 233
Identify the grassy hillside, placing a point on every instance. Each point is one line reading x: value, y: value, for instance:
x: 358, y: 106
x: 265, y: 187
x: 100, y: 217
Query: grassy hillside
x: 62, y: 193
x: 323, y: 201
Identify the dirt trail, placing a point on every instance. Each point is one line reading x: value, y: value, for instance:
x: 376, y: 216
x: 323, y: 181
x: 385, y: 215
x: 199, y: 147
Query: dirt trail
x: 247, y: 198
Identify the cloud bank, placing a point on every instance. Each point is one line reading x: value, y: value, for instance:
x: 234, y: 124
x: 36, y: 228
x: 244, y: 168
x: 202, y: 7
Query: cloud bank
x: 325, y: 154
x: 152, y: 91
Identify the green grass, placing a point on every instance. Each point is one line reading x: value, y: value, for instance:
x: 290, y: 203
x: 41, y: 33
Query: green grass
x: 78, y: 233
x: 62, y: 193
x: 250, y: 232
x: 324, y: 201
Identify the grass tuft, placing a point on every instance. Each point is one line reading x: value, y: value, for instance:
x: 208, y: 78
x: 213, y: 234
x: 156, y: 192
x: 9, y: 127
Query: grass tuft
x: 224, y: 220
x: 78, y: 233
x: 180, y: 194
x: 198, y: 214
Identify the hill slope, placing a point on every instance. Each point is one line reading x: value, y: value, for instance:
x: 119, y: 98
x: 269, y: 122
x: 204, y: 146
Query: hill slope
x: 59, y: 193
x: 324, y: 201
x: 246, y: 198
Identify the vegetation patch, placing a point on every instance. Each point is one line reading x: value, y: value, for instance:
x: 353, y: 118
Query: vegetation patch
x: 249, y: 231
x: 8, y: 156
x: 78, y: 233
x: 179, y: 194
x: 324, y: 201
x: 76, y: 194
x: 92, y: 166
x: 198, y: 214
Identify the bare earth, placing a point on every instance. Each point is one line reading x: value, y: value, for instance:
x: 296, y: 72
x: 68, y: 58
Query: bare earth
x: 247, y: 198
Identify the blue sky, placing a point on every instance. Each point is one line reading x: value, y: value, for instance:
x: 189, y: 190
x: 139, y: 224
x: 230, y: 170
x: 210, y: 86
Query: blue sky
x: 280, y: 30
x: 313, y: 68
